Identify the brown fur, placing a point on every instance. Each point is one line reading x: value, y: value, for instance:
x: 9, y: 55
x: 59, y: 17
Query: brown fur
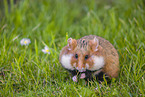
x: 85, y: 46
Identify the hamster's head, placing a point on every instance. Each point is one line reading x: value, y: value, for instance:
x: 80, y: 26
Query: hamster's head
x: 82, y: 55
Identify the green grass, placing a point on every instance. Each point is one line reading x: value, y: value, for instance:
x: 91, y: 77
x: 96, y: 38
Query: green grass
x: 27, y: 71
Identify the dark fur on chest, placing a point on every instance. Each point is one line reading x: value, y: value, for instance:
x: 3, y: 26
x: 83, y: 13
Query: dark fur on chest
x: 90, y: 77
x: 98, y: 77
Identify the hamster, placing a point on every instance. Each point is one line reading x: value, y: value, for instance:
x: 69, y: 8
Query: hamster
x: 90, y: 57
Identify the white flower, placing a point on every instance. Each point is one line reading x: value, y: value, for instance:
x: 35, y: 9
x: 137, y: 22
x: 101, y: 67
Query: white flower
x: 46, y: 50
x: 25, y: 41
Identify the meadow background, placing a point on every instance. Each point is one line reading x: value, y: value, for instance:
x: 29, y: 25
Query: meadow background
x: 27, y: 71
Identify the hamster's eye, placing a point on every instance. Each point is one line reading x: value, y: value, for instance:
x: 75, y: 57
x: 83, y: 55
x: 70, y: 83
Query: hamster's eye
x: 76, y: 56
x: 86, y: 57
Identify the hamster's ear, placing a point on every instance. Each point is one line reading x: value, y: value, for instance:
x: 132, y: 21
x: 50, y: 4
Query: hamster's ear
x: 94, y: 44
x: 72, y: 43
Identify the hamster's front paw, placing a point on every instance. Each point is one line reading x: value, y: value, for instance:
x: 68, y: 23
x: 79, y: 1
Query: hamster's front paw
x: 74, y: 78
x: 82, y: 76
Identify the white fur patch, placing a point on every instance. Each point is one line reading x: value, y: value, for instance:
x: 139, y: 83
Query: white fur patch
x: 98, y: 63
x: 66, y: 61
x: 87, y: 66
x: 81, y: 69
x: 74, y: 64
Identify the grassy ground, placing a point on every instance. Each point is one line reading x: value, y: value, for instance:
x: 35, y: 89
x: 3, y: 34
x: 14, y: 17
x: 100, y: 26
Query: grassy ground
x: 27, y: 71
